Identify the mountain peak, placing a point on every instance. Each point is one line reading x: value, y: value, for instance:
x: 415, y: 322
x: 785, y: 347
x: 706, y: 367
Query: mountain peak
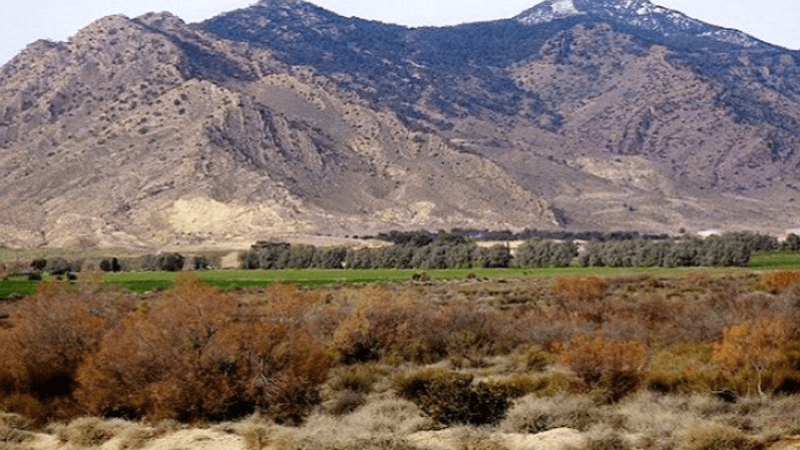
x: 549, y: 11
x: 641, y: 15
x: 280, y: 2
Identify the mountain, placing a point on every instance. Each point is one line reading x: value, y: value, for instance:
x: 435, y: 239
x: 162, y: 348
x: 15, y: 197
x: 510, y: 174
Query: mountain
x: 285, y: 118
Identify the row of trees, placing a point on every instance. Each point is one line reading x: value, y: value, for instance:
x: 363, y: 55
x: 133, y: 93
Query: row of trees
x: 733, y: 249
x: 425, y: 250
x: 168, y: 262
x: 408, y: 256
x: 419, y: 251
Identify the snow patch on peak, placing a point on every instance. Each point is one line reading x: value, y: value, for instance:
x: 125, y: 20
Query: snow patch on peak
x: 564, y: 8
x: 549, y: 11
x: 732, y: 37
x: 640, y: 14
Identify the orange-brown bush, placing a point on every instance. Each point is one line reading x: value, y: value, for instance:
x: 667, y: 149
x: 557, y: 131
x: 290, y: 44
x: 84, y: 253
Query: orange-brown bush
x: 400, y: 328
x: 380, y: 326
x: 780, y: 279
x: 610, y: 368
x: 52, y: 332
x: 188, y: 356
x: 752, y: 348
x: 475, y: 330
x: 583, y: 295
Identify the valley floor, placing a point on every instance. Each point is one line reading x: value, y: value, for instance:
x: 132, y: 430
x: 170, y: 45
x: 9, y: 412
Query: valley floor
x: 690, y: 360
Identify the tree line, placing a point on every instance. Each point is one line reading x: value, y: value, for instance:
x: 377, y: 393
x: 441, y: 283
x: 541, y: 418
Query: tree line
x: 418, y: 250
x: 448, y: 250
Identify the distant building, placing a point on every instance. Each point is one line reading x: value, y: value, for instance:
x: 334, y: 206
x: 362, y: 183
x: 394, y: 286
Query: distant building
x: 707, y: 233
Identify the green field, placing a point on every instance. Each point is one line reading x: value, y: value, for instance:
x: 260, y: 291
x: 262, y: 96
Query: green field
x: 775, y: 260
x: 231, y: 279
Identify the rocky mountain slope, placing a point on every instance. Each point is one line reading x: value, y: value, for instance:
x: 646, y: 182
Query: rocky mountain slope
x: 287, y: 118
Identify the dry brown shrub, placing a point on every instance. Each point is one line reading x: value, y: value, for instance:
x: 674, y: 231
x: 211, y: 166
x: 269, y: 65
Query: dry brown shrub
x: 406, y: 326
x: 344, y: 402
x: 753, y: 348
x: 380, y: 326
x: 610, y: 368
x: 583, y: 295
x: 777, y: 280
x: 347, y: 387
x: 52, y: 332
x: 523, y: 384
x: 289, y: 302
x: 580, y: 288
x: 187, y: 357
x: 472, y: 329
x: 530, y: 357
x: 356, y: 378
x: 658, y: 314
x: 685, y: 368
x: 449, y: 397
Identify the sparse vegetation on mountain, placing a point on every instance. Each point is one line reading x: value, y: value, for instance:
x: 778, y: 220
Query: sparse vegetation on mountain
x: 601, y: 120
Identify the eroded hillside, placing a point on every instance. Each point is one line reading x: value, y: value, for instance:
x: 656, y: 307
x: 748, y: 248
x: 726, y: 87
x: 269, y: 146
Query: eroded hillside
x: 286, y: 118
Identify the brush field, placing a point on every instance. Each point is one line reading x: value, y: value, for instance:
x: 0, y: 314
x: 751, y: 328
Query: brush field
x: 475, y: 359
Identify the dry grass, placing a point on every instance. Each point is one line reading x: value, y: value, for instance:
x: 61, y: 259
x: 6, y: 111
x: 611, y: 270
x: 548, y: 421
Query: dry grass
x: 479, y: 439
x: 89, y: 431
x: 715, y: 436
x: 10, y: 435
x: 606, y: 439
x: 383, y: 422
x: 256, y: 432
x: 136, y: 436
x: 15, y: 421
x: 533, y: 414
x: 13, y: 429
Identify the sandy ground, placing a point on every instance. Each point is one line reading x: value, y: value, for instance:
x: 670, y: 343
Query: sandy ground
x: 230, y: 437
x: 218, y: 439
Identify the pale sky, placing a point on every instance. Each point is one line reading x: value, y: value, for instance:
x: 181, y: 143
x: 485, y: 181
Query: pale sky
x: 25, y: 21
